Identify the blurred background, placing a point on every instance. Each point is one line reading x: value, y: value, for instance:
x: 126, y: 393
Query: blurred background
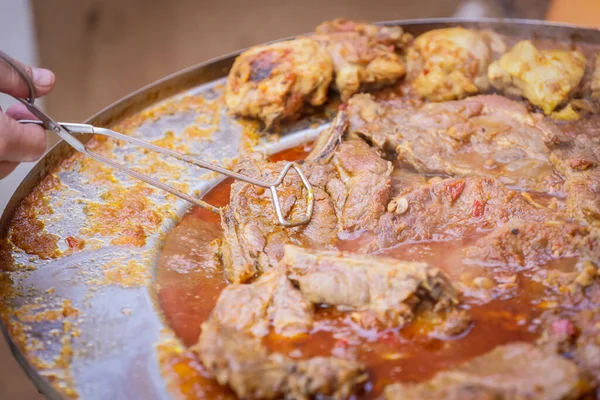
x: 103, y: 50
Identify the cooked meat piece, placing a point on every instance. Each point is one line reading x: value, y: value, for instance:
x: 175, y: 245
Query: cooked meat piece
x: 392, y: 290
x: 357, y: 178
x: 270, y: 301
x: 240, y: 361
x: 273, y: 82
x: 583, y: 196
x: 509, y: 372
x: 527, y: 243
x: 453, y: 324
x: 544, y: 77
x: 360, y: 62
x: 483, y: 135
x: 254, y: 239
x: 574, y: 331
x: 595, y: 82
x: 577, y: 157
x: 236, y: 250
x: 452, y: 209
x: 388, y: 35
x: 451, y: 63
x: 362, y: 191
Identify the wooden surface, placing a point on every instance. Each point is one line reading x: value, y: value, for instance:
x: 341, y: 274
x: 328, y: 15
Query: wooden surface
x: 579, y: 12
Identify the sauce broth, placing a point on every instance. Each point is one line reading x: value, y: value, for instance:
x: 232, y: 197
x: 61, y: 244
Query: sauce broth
x: 505, y: 313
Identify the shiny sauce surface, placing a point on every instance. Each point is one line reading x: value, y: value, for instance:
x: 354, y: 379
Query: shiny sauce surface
x: 188, y: 288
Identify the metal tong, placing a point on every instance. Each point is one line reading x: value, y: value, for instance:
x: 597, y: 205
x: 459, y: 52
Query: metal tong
x: 66, y: 130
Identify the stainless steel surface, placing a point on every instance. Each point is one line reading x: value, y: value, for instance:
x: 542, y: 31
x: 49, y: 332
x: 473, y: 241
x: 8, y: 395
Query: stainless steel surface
x: 116, y: 355
x: 271, y: 186
x: 66, y: 132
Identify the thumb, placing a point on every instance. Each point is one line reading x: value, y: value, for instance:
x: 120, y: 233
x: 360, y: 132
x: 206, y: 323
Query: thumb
x: 11, y: 82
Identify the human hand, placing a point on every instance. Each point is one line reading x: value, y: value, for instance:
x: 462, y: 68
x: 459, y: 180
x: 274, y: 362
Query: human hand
x: 21, y: 142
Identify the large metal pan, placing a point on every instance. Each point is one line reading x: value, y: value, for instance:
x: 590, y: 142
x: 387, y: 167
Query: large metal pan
x: 107, y: 348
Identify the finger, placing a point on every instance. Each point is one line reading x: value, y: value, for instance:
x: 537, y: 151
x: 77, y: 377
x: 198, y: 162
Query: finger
x: 13, y: 84
x: 19, y: 112
x: 6, y: 167
x: 20, y: 142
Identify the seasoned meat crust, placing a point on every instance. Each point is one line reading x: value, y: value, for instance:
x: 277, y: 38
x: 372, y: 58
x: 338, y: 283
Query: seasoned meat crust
x: 360, y: 62
x: 392, y: 290
x: 278, y: 81
x: 509, y: 372
x: 450, y: 64
x: 240, y: 361
x: 364, y: 55
x: 275, y: 81
x: 544, y: 77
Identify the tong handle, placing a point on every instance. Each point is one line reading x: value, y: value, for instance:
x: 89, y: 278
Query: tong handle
x: 271, y: 186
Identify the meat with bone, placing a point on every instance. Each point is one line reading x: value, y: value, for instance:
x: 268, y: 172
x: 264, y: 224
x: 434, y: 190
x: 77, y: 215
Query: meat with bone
x: 269, y: 302
x: 509, y: 372
x: 544, y: 77
x: 253, y: 238
x: 451, y: 63
x: 358, y: 180
x: 351, y: 185
x: 394, y: 291
x: 484, y: 135
x: 239, y: 360
x: 275, y: 81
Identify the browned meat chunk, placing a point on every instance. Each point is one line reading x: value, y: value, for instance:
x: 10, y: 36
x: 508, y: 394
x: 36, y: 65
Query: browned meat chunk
x: 484, y: 135
x: 240, y: 361
x: 509, y: 372
x: 449, y: 64
x: 392, y: 290
x: 528, y: 243
x: 363, y: 55
x: 356, y: 177
x: 452, y: 209
x: 273, y: 82
x: 388, y: 35
x: 270, y: 301
x: 544, y: 77
x: 360, y: 63
x: 254, y: 239
x: 360, y: 188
